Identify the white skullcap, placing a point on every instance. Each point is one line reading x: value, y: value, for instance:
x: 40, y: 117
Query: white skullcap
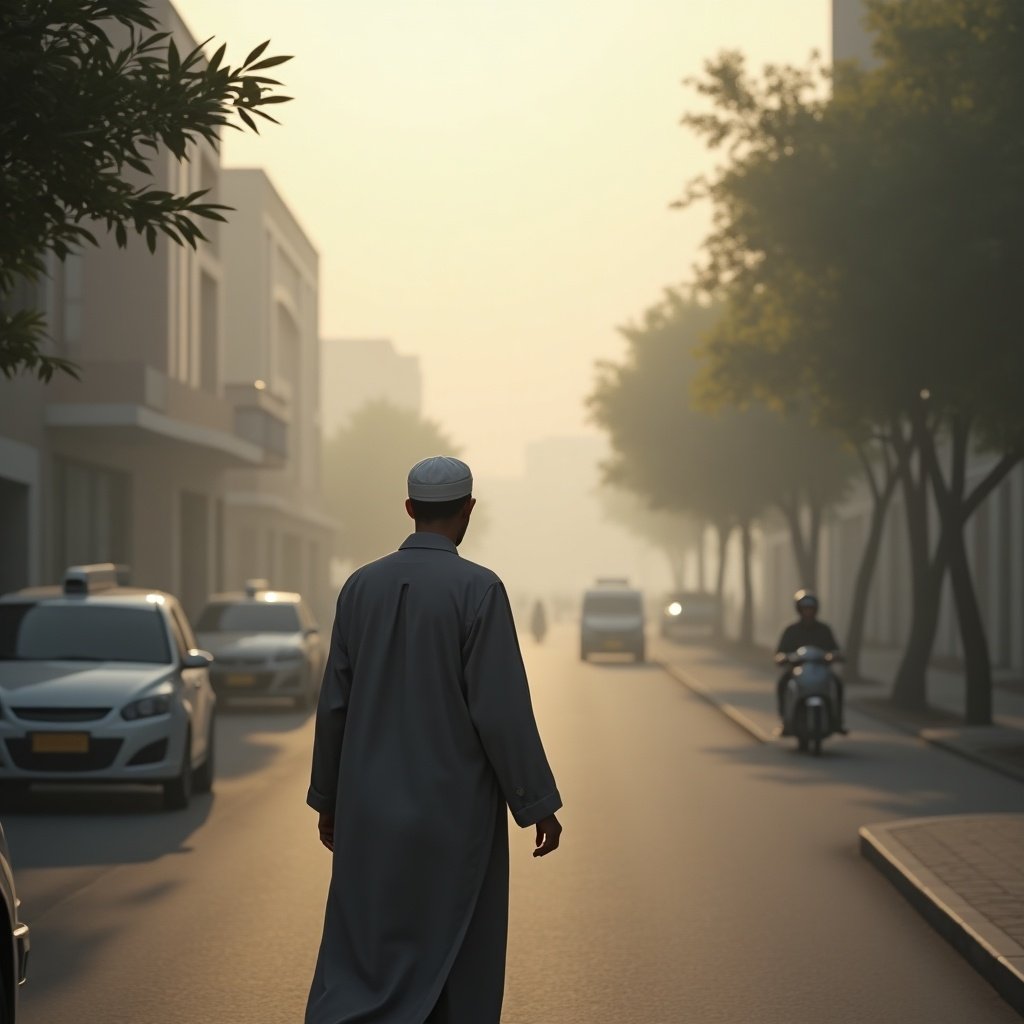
x: 440, y: 478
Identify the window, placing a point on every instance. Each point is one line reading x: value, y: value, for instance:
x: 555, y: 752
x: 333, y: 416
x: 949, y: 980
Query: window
x: 249, y: 617
x: 92, y: 520
x: 82, y: 632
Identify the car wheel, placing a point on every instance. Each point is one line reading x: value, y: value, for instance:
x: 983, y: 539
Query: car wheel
x: 6, y: 994
x: 178, y: 791
x: 13, y: 791
x: 202, y: 777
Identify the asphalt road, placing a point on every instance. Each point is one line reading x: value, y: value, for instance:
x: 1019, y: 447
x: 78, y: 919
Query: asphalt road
x: 702, y: 878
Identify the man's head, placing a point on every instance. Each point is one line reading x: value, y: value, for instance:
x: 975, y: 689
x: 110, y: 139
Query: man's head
x: 441, y: 496
x: 806, y: 605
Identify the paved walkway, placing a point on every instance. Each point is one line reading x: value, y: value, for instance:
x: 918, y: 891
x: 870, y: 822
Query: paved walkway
x: 964, y: 873
x: 749, y: 698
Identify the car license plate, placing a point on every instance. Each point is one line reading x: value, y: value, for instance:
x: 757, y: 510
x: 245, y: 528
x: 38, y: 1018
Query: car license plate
x: 241, y: 679
x: 613, y: 645
x: 60, y: 743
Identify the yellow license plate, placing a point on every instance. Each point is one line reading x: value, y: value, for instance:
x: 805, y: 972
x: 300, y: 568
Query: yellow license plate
x: 241, y: 679
x: 60, y: 743
x: 613, y: 645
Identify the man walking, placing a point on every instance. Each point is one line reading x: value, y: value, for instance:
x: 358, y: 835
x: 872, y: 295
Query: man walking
x: 424, y: 734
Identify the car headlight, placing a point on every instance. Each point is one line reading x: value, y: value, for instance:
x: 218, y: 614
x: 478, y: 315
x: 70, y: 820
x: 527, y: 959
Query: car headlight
x: 147, y: 707
x: 675, y: 609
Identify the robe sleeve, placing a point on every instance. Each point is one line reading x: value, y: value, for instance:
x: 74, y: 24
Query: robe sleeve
x: 331, y: 712
x: 499, y: 705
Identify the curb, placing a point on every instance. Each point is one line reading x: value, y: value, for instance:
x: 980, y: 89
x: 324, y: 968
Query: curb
x: 975, y: 756
x: 971, y: 935
x: 736, y: 716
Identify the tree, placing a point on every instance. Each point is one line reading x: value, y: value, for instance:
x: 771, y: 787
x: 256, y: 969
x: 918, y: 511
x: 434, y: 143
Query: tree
x: 364, y: 470
x: 676, y: 536
x: 882, y: 226
x: 726, y: 467
x: 100, y: 94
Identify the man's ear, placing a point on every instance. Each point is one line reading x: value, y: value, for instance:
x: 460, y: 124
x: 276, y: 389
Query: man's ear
x: 409, y: 509
x: 470, y: 505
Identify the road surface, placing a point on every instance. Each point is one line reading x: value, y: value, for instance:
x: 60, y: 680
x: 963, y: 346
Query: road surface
x: 702, y: 878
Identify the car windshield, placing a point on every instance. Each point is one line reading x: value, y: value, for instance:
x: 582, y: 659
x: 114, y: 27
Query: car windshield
x: 249, y: 617
x: 611, y: 604
x: 82, y: 632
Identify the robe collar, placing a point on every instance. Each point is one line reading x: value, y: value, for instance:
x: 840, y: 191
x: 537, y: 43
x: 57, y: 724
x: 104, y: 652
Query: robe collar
x: 434, y: 541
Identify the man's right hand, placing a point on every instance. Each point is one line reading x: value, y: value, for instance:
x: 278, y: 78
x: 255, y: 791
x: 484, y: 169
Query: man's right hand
x: 548, y: 832
x: 325, y: 826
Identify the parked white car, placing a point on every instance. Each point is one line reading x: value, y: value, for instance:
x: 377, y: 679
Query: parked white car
x: 265, y: 643
x: 103, y: 683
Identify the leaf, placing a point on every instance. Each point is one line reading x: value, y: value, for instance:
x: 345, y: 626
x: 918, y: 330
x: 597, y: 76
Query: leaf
x: 270, y: 62
x: 256, y: 53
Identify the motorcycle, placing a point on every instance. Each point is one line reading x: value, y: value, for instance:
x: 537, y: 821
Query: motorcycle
x: 811, y: 698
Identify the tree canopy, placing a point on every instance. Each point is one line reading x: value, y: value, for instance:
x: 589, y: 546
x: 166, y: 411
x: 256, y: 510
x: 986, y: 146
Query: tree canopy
x: 365, y: 465
x: 98, y: 94
x: 869, y: 241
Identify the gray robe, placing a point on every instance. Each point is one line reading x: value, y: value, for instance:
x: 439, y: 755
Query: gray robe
x: 424, y: 733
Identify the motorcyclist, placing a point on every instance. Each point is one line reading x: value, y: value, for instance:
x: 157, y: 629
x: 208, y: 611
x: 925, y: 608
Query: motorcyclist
x: 807, y: 631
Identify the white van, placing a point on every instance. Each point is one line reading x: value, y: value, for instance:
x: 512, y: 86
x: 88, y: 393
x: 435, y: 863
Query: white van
x: 612, y: 621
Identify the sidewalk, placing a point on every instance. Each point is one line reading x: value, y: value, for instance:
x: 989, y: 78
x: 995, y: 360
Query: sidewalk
x: 749, y: 699
x: 963, y: 873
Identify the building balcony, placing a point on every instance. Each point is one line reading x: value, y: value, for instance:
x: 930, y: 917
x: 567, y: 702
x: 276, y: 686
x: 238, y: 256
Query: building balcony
x: 261, y: 418
x: 132, y: 402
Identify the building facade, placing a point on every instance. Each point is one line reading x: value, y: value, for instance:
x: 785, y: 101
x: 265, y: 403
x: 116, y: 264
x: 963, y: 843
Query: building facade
x: 277, y: 527
x: 142, y: 460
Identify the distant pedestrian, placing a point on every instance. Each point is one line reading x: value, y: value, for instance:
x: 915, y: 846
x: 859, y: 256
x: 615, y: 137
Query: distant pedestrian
x: 424, y: 735
x: 539, y: 621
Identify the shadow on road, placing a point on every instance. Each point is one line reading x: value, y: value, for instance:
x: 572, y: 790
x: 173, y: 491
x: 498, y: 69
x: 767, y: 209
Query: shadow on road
x: 63, y: 826
x: 887, y: 774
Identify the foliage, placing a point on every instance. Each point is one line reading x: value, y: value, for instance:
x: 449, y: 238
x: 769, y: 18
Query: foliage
x: 103, y: 95
x: 365, y: 465
x: 871, y: 244
x: 673, y: 534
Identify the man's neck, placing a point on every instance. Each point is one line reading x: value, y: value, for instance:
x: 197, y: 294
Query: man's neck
x: 446, y: 530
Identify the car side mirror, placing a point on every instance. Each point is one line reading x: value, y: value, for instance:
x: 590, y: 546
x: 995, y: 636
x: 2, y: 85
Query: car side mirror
x: 196, y: 658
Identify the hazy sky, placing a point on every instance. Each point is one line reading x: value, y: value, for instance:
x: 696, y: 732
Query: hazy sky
x: 488, y: 183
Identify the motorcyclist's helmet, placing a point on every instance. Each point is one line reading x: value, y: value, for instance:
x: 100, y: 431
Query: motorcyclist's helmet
x: 806, y: 599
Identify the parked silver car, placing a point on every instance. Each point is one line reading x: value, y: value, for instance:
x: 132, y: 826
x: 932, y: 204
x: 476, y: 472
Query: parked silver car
x: 103, y: 683
x: 265, y: 643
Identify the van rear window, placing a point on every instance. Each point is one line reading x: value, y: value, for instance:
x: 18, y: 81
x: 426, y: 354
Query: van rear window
x: 611, y: 604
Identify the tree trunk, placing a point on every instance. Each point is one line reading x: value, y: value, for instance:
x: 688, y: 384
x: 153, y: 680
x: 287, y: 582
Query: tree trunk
x: 977, y: 664
x: 747, y: 616
x: 722, y: 533
x: 701, y: 566
x: 881, y: 496
x: 910, y: 688
x: 802, y: 554
x: 813, y: 545
x: 956, y: 507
